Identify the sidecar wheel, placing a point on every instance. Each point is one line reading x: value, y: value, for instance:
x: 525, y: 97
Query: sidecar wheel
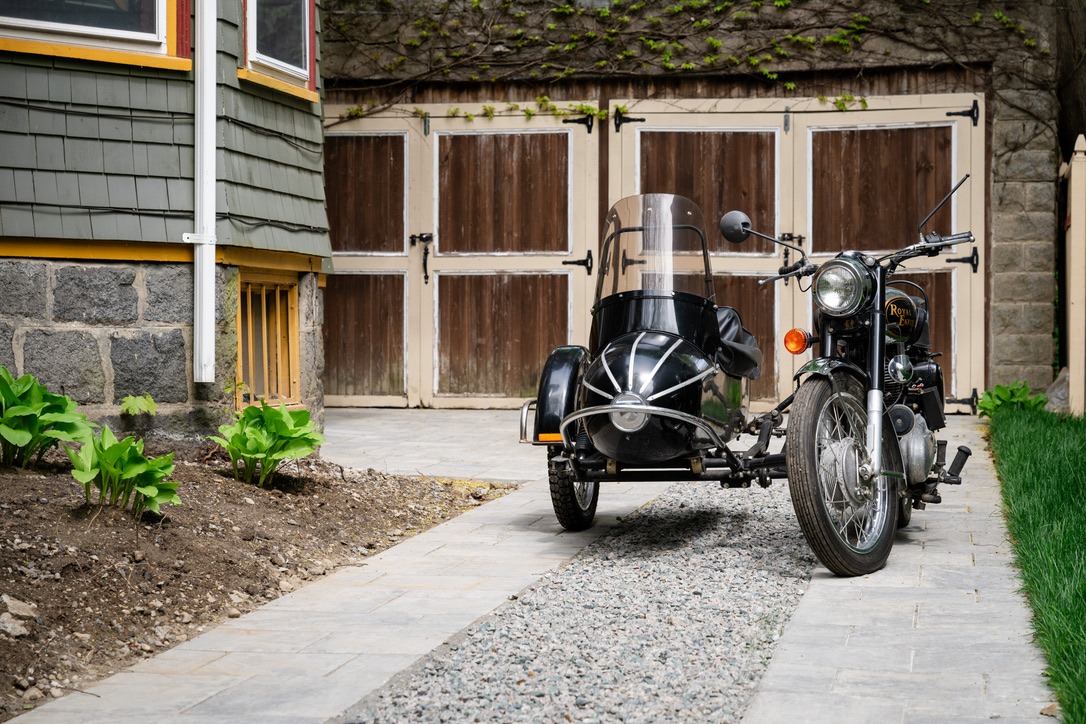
x: 574, y: 502
x: 849, y: 524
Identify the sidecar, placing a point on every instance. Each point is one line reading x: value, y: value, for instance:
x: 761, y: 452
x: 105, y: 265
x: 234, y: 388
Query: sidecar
x: 662, y: 386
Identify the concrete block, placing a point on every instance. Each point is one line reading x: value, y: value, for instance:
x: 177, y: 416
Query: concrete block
x: 152, y: 362
x: 66, y: 362
x: 95, y: 294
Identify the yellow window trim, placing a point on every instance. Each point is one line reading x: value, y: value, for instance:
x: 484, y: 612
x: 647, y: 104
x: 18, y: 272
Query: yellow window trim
x: 282, y: 86
x: 21, y: 248
x: 104, y: 55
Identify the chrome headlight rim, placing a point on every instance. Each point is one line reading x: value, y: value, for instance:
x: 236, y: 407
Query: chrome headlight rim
x: 633, y: 420
x: 849, y: 280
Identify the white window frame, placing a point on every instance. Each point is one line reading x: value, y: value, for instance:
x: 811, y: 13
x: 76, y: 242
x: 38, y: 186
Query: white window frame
x: 93, y: 37
x: 260, y: 63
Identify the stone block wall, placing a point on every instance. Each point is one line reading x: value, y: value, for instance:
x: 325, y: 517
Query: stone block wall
x: 1022, y: 264
x: 99, y: 331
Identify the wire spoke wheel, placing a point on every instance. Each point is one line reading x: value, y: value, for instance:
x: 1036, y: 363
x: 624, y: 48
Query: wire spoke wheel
x: 849, y: 521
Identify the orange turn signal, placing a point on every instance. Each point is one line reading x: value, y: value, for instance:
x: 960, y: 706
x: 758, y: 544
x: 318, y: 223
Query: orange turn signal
x: 796, y: 341
x: 549, y: 437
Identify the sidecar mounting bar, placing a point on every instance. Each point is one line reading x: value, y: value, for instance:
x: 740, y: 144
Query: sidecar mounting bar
x: 697, y: 422
x: 723, y: 470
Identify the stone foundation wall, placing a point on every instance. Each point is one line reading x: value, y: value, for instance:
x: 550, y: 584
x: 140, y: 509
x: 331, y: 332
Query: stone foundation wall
x: 100, y: 331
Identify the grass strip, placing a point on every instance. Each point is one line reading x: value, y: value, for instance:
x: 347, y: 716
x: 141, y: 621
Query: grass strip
x: 1041, y: 462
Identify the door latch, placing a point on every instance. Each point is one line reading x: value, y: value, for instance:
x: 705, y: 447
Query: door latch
x: 425, y: 239
x: 586, y: 262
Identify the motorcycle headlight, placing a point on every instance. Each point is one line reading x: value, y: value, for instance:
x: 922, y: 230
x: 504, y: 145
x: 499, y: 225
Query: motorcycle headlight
x: 841, y: 287
x: 630, y: 420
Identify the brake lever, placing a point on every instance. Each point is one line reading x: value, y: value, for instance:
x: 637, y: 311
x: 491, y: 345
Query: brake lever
x: 803, y: 271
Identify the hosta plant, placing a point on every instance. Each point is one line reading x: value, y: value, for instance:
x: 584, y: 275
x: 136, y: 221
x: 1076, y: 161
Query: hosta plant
x: 122, y: 475
x: 1016, y: 395
x: 33, y: 420
x: 263, y: 436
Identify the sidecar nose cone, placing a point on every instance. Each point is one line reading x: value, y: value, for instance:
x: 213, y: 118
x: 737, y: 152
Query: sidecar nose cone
x: 629, y: 420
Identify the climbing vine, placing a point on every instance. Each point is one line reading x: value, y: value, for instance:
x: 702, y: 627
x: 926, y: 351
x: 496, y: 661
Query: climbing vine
x: 394, y: 45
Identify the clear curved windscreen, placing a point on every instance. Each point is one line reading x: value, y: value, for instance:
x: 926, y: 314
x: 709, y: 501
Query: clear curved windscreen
x: 654, y: 242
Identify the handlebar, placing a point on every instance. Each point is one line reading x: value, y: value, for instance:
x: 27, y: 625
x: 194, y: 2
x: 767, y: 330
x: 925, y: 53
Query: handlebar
x: 801, y: 268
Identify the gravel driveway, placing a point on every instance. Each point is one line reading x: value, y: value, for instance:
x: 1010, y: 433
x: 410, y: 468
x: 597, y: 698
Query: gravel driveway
x: 674, y: 616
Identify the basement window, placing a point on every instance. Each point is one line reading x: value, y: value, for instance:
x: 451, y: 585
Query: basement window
x: 268, y: 366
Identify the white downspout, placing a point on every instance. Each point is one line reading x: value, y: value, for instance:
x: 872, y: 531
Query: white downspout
x: 204, y: 179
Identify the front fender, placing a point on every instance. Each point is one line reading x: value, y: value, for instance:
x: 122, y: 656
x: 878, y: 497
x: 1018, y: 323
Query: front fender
x: 557, y: 396
x: 826, y: 366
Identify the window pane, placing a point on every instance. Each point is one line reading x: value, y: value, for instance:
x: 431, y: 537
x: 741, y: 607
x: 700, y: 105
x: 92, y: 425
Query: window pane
x: 138, y: 16
x: 281, y: 30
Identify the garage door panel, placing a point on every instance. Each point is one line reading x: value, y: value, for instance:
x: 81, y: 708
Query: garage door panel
x: 363, y: 331
x: 870, y: 187
x: 364, y: 186
x: 503, y: 193
x: 495, y: 331
x: 719, y: 170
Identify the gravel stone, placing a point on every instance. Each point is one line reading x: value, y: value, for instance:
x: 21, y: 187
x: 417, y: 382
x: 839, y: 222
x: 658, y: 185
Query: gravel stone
x: 673, y: 616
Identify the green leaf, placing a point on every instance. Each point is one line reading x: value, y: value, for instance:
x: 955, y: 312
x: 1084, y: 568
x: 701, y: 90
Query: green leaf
x: 18, y: 438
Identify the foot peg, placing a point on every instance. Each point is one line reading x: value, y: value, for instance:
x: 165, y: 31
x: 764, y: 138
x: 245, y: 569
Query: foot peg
x: 953, y: 475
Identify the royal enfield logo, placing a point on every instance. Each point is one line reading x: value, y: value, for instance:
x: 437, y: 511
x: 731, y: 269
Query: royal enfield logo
x: 900, y: 314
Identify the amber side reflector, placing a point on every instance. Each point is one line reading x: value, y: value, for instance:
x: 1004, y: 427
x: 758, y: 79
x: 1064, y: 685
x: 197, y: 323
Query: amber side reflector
x: 549, y: 437
x: 795, y: 341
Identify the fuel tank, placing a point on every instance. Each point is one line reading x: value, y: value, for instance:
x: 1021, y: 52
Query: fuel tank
x: 664, y: 399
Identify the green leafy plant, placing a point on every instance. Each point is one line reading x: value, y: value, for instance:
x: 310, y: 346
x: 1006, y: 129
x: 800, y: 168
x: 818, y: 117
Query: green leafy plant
x: 121, y: 473
x: 138, y: 404
x: 1015, y: 395
x: 265, y: 436
x: 33, y: 420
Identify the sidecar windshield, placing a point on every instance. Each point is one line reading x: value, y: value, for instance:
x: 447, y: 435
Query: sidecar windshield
x: 655, y: 243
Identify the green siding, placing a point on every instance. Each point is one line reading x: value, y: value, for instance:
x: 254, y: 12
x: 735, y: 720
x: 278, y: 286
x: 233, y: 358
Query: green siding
x: 79, y: 138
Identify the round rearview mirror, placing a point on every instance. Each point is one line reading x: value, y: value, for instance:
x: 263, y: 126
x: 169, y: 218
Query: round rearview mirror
x: 735, y: 226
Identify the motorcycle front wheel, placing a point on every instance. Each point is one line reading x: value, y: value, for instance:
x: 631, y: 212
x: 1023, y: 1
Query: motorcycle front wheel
x: 574, y: 502
x: 849, y: 522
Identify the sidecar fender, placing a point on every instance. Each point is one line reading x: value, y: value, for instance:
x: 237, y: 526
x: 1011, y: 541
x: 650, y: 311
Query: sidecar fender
x: 557, y: 396
x: 825, y: 366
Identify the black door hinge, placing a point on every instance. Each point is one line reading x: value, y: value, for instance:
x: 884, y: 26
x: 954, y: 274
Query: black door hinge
x: 972, y: 401
x: 586, y: 262
x: 973, y: 113
x: 972, y: 260
x: 586, y: 120
x: 621, y: 118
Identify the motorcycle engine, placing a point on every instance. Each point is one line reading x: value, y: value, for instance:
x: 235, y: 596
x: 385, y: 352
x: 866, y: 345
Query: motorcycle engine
x: 917, y: 443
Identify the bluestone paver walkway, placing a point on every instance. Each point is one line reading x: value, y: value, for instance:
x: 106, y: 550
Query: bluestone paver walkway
x: 941, y: 634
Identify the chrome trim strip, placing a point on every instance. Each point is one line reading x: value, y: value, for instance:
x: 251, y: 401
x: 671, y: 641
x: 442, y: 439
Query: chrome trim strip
x: 659, y: 364
x: 690, y: 381
x: 633, y: 357
x: 607, y: 369
x: 597, y: 390
x: 648, y: 409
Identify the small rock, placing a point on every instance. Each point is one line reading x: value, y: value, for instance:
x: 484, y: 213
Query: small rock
x: 33, y: 694
x: 138, y: 557
x: 10, y: 626
x: 19, y: 609
x: 233, y: 613
x: 250, y: 501
x: 56, y: 692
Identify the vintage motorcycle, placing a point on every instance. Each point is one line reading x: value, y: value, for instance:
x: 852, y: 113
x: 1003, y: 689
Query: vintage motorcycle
x: 861, y: 449
x: 662, y: 388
